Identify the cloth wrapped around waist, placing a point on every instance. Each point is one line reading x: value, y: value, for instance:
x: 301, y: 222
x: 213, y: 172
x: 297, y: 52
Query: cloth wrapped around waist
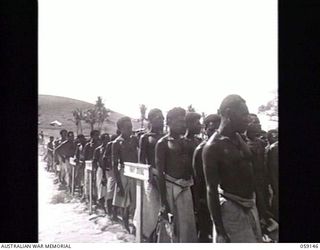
x: 240, y: 218
x: 179, y: 197
x: 244, y: 202
x: 179, y: 182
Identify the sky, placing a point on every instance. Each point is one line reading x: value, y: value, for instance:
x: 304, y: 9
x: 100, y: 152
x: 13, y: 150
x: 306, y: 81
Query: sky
x: 159, y: 53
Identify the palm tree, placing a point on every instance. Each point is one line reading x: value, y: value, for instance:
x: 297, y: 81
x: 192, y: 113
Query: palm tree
x: 143, y: 110
x: 90, y: 117
x: 78, y: 117
x: 102, y: 113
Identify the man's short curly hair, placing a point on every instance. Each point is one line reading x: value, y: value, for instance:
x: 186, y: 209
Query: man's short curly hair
x: 232, y: 102
x: 173, y: 113
x: 122, y: 121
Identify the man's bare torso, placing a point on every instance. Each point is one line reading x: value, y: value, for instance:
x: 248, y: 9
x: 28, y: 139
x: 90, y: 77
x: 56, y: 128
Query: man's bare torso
x: 234, y: 166
x: 178, y: 160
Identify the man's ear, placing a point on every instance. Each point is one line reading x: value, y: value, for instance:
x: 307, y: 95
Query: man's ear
x: 227, y: 113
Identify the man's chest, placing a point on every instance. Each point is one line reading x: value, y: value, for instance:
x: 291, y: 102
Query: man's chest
x: 152, y: 140
x: 128, y: 146
x: 232, y: 155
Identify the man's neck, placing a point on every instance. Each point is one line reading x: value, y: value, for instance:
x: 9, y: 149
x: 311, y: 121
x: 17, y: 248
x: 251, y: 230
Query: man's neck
x: 174, y: 135
x: 251, y: 135
x: 155, y: 131
x: 227, y: 132
x: 189, y: 135
x: 125, y: 137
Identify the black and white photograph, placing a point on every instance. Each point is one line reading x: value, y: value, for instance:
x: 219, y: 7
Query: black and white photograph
x: 158, y: 121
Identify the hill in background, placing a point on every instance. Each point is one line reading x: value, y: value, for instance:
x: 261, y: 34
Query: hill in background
x: 59, y: 108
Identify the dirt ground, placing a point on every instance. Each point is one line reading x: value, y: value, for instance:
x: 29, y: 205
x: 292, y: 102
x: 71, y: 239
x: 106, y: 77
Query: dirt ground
x: 63, y: 218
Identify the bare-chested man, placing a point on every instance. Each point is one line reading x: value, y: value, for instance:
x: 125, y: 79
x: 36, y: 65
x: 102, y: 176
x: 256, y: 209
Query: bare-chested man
x: 204, y: 223
x: 193, y: 126
x: 100, y: 166
x: 57, y: 159
x: 272, y: 137
x: 273, y: 170
x: 50, y: 148
x: 229, y: 176
x: 110, y: 178
x: 174, y: 163
x: 88, y: 155
x: 257, y: 147
x: 66, y: 150
x: 151, y: 198
x: 124, y: 149
x: 80, y: 165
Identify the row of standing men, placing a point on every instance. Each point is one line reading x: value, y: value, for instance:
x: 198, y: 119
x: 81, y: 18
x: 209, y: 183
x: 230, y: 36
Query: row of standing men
x: 223, y: 188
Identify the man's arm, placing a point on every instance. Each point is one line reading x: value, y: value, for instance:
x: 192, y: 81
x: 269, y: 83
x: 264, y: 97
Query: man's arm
x: 95, y: 158
x: 143, y: 149
x: 59, y: 151
x: 77, y: 154
x: 160, y: 165
x: 49, y: 148
x: 197, y: 167
x: 115, y: 156
x: 211, y: 174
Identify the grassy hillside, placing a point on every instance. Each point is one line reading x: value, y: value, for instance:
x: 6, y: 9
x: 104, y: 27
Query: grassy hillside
x: 60, y: 108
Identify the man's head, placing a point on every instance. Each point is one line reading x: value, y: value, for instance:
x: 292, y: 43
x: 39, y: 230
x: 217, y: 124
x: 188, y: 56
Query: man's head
x: 254, y: 125
x: 156, y: 119
x: 211, y: 123
x: 70, y: 136
x: 94, y: 134
x: 176, y: 120
x: 124, y: 125
x: 105, y: 138
x: 272, y: 136
x: 263, y: 135
x: 63, y: 134
x: 51, y: 138
x: 234, y: 109
x: 81, y: 139
x: 193, y: 123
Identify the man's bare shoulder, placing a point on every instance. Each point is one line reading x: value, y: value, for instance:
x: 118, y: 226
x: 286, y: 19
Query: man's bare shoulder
x: 98, y: 148
x: 274, y: 146
x: 200, y: 146
x: 144, y: 136
x: 117, y: 140
x: 134, y: 138
x: 162, y: 141
x: 214, y: 141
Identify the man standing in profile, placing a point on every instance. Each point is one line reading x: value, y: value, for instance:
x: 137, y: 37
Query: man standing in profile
x: 193, y: 126
x: 100, y: 167
x: 50, y: 148
x: 124, y: 149
x: 88, y: 155
x: 111, y: 180
x: 58, y: 160
x: 151, y: 198
x: 79, y: 159
x: 174, y: 164
x: 229, y: 176
x: 204, y: 223
x: 257, y: 147
x: 66, y: 150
